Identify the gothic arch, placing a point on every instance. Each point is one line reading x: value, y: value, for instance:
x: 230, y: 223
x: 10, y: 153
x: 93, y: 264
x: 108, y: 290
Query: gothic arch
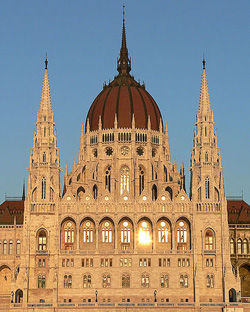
x: 68, y: 234
x: 80, y: 191
x: 154, y: 192
x: 125, y: 235
x: 170, y: 191
x: 5, y: 280
x: 106, y: 234
x: 144, y: 234
x: 183, y: 233
x: 42, y: 239
x: 244, y: 271
x: 163, y: 233
x: 209, y: 239
x: 87, y: 233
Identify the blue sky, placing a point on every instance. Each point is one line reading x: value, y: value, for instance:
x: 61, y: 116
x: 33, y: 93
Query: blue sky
x: 166, y: 41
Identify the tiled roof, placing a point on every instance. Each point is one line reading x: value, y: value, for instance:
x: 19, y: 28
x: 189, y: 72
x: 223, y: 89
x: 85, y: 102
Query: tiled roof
x: 10, y: 209
x: 238, y: 212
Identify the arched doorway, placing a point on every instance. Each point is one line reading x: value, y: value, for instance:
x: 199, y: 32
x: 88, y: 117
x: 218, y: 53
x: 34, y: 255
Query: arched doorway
x: 245, y: 281
x: 232, y: 295
x: 19, y: 296
x: 5, y: 286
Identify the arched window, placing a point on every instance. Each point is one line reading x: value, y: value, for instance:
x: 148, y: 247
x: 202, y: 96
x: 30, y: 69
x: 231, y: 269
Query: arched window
x: 183, y: 280
x: 125, y: 234
x: 245, y: 246
x: 141, y: 179
x: 41, y: 281
x: 10, y: 247
x: 51, y: 194
x: 206, y: 157
x: 42, y: 240
x: 43, y: 188
x: 106, y: 232
x: 44, y: 157
x: 165, y: 174
x: 181, y: 234
x: 232, y: 250
x: 5, y: 247
x: 154, y: 192
x: 209, y: 240
x: 169, y: 190
x: 107, y: 178
x: 144, y: 233
x: 95, y: 191
x: 86, y: 281
x: 69, y: 233
x: 124, y: 183
x: 125, y: 280
x: 88, y: 232
x: 207, y: 195
x: 18, y: 247
x: 67, y: 281
x: 210, y: 281
x: 145, y: 280
x: 199, y: 193
x: 106, y: 281
x: 163, y: 232
x: 164, y: 281
x: 239, y: 246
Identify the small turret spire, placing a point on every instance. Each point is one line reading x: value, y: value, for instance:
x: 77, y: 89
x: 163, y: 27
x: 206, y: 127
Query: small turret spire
x: 204, y: 62
x: 46, y: 62
x: 124, y: 62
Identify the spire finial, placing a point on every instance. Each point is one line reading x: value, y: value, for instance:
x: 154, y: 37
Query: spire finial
x: 204, y: 62
x: 123, y: 13
x: 46, y: 62
x: 124, y: 62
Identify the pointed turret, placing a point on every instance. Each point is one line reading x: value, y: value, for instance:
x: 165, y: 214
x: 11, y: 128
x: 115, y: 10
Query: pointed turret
x: 23, y: 196
x: 205, y: 156
x: 45, y: 98
x: 124, y: 62
x: 44, y: 170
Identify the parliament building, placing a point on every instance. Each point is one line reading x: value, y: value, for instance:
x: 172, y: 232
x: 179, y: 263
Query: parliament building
x: 123, y: 233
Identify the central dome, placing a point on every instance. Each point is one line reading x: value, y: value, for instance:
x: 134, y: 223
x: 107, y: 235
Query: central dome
x: 124, y: 98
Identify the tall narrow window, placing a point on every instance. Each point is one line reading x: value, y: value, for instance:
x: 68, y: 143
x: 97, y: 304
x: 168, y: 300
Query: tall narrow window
x: 184, y: 281
x: 43, y: 188
x: 165, y: 174
x: 154, y: 192
x: 210, y: 281
x: 207, y: 195
x: 145, y: 281
x: 106, y: 281
x: 206, y: 157
x: 164, y: 281
x: 106, y: 232
x: 141, y: 179
x: 42, y: 241
x: 239, y: 245
x: 88, y: 232
x: 232, y: 251
x: 95, y: 191
x: 10, y: 247
x: 209, y: 240
x: 18, y: 247
x: 245, y: 246
x: 125, y: 280
x: 124, y: 183
x: 125, y: 235
x: 69, y: 234
x: 44, y: 157
x: 163, y: 232
x: 86, y: 281
x: 41, y: 281
x: 5, y: 247
x: 107, y: 178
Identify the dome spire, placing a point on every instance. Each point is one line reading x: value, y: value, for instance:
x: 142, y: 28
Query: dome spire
x: 124, y: 62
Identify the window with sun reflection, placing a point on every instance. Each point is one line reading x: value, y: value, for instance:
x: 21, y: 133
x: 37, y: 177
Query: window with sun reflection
x: 144, y: 233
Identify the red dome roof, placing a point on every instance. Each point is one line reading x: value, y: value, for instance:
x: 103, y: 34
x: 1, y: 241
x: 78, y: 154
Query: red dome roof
x: 124, y: 97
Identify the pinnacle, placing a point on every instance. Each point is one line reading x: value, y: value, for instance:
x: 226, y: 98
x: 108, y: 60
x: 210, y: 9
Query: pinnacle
x: 45, y: 103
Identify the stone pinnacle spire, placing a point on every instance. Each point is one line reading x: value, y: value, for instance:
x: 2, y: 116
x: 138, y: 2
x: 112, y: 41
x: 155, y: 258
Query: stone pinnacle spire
x: 124, y: 62
x: 204, y: 105
x: 45, y: 98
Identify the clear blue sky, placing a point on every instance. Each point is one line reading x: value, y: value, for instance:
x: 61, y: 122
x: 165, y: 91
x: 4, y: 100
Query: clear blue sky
x: 166, y: 41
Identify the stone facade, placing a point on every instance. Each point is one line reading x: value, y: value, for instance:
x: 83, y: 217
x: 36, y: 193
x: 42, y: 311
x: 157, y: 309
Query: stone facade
x: 124, y: 234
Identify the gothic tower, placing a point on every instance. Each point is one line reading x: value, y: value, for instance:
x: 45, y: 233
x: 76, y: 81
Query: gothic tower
x: 211, y: 233
x: 41, y: 204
